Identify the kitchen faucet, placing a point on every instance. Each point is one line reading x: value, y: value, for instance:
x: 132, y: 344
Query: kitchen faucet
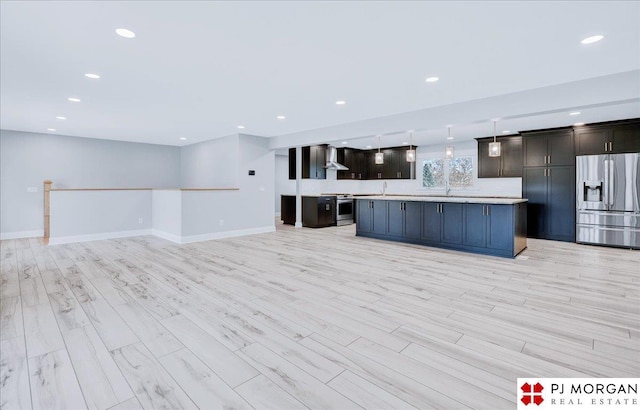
x: 447, y: 188
x: 384, y: 188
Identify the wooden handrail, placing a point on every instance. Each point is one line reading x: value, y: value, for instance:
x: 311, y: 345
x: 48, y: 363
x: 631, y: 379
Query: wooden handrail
x: 47, y: 191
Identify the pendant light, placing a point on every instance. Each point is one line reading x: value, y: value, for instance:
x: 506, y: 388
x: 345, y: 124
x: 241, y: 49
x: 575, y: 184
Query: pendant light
x: 448, y: 150
x: 411, y: 153
x: 494, y: 147
x: 379, y: 155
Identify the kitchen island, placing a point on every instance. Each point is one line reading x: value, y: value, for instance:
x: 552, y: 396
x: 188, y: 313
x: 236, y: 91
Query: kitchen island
x: 492, y: 226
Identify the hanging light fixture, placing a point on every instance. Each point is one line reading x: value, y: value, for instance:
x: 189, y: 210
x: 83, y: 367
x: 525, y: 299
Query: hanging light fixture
x: 379, y: 155
x: 448, y: 150
x: 494, y: 147
x: 411, y: 153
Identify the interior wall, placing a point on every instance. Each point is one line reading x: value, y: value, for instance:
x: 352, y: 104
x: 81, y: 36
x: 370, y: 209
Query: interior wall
x: 210, y: 164
x: 27, y: 159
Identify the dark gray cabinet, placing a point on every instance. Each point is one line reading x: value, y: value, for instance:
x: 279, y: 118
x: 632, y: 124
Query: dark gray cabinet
x: 551, y: 207
x: 507, y: 165
x: 318, y: 211
x: 609, y: 138
x: 442, y: 222
x: 548, y: 148
x: 549, y: 184
x: 371, y: 216
x: 483, y: 228
x: 395, y: 164
x: 354, y: 159
x: 314, y: 160
x: 404, y: 219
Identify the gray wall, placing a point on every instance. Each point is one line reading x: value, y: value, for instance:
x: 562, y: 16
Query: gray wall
x: 210, y: 164
x: 27, y: 159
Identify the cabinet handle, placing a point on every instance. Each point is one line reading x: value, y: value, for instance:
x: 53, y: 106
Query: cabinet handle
x: 610, y: 146
x: 605, y: 147
x: 548, y: 159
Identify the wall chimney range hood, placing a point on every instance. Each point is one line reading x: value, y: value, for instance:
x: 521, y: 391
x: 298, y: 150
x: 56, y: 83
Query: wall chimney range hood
x: 332, y: 159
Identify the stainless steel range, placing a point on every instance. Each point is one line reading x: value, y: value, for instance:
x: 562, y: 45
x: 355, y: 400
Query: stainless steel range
x: 344, y: 209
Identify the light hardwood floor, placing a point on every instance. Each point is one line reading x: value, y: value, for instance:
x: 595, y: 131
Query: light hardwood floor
x: 305, y: 318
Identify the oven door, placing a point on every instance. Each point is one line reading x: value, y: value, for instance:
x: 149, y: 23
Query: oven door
x: 345, y: 209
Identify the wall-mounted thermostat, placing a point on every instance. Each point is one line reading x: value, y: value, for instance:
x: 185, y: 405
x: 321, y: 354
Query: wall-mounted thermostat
x: 252, y: 172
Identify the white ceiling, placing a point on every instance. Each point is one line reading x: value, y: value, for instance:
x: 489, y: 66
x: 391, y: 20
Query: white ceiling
x: 199, y: 69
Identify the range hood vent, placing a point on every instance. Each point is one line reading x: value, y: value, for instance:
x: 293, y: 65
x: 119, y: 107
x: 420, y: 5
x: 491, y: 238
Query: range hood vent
x: 332, y: 159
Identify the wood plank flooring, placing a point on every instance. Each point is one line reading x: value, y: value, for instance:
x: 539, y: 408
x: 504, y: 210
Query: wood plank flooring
x: 304, y: 318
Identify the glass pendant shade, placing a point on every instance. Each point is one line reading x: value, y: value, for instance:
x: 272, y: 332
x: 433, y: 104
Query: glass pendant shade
x: 411, y: 155
x: 448, y: 152
x: 379, y: 158
x: 494, y: 149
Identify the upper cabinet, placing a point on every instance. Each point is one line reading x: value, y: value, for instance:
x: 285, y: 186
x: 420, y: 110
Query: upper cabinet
x: 548, y: 148
x: 314, y: 159
x: 610, y: 138
x: 354, y: 159
x: 508, y: 164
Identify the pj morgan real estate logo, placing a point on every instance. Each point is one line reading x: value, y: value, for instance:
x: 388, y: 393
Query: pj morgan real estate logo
x: 578, y: 393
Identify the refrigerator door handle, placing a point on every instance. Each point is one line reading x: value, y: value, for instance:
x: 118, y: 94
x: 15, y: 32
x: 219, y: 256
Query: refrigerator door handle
x: 612, y: 175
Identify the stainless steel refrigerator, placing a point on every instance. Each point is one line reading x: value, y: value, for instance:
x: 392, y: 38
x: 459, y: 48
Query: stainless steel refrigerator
x: 608, y: 197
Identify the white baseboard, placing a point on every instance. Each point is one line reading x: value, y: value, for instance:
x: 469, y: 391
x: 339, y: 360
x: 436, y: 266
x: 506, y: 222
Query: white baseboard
x: 278, y: 214
x: 98, y: 236
x: 227, y: 234
x: 168, y: 236
x: 22, y: 234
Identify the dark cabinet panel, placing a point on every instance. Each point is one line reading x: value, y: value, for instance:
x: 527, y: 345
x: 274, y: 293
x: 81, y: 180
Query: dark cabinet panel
x: 548, y: 148
x: 475, y: 225
x: 500, y: 226
x: 592, y: 141
x: 551, y: 206
x: 508, y: 164
x: 625, y: 138
x: 354, y: 160
x: 535, y: 151
x: 288, y: 209
x: 431, y: 222
x: 379, y: 212
x: 364, y: 216
x: 318, y: 212
x: 395, y: 221
x: 313, y: 162
x: 451, y: 222
x: 561, y: 149
x: 413, y: 220
x: 561, y: 203
x: 390, y: 167
x: 534, y: 188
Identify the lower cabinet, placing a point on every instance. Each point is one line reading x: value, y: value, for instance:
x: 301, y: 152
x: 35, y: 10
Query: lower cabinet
x: 551, y: 194
x: 371, y: 216
x: 482, y: 228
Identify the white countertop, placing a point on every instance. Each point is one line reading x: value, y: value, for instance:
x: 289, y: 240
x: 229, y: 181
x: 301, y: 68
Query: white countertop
x: 460, y: 199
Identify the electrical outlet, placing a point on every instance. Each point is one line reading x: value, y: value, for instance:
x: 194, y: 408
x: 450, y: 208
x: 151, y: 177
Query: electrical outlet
x: 32, y: 189
x: 221, y: 222
x: 139, y: 220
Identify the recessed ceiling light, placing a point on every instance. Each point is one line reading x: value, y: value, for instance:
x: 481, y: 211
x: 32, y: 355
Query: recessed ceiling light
x: 575, y: 113
x: 61, y: 118
x: 123, y: 32
x: 340, y: 102
x: 51, y: 129
x: 73, y: 99
x: 91, y: 75
x: 405, y: 143
x: 506, y: 131
x: 183, y: 138
x: 344, y: 142
x: 449, y: 138
x: 432, y: 79
x: 368, y: 146
x: 281, y: 117
x: 578, y: 124
x: 592, y: 39
x: 241, y: 127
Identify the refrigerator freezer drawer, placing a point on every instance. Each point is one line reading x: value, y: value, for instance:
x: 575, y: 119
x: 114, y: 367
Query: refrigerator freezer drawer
x: 604, y: 235
x: 608, y: 218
